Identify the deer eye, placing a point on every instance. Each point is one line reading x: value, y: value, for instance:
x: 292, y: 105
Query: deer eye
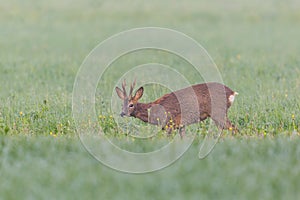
x: 130, y: 105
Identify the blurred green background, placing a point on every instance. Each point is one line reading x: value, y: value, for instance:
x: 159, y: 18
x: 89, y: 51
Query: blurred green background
x: 255, y: 45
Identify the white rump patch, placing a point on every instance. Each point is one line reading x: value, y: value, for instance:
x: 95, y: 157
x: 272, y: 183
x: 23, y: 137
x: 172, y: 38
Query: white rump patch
x: 231, y: 97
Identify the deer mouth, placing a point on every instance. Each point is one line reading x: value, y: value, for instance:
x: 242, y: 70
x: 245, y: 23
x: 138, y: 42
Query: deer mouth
x: 122, y: 114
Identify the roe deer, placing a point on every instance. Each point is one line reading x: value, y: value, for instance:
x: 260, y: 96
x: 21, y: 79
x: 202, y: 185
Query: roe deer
x: 182, y: 107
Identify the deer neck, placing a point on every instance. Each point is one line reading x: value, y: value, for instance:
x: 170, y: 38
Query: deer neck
x: 141, y: 111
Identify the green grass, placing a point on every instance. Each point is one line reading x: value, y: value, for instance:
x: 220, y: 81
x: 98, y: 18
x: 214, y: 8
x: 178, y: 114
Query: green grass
x: 60, y: 168
x: 253, y: 43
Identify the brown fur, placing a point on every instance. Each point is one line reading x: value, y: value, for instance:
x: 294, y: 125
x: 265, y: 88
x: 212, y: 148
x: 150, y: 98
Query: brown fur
x: 182, y: 107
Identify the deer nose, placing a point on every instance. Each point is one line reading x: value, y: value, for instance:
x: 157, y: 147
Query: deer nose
x: 122, y: 114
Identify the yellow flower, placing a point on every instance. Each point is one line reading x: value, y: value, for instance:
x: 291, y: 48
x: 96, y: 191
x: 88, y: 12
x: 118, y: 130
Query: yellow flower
x: 101, y: 117
x: 21, y: 113
x: 265, y: 133
x: 293, y: 116
x: 52, y: 134
x: 230, y: 128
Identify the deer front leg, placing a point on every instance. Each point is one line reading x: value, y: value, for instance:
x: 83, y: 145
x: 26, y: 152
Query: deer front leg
x: 181, y: 131
x: 168, y: 129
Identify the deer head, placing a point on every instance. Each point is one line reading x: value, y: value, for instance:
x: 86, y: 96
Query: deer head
x: 130, y: 102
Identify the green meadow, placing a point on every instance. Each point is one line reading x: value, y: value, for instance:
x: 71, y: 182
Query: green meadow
x: 255, y: 46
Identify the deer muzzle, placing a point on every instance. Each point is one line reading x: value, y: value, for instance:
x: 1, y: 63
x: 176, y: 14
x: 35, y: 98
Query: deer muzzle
x: 122, y: 114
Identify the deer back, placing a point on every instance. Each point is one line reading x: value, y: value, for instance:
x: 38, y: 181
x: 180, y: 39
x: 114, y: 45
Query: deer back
x: 195, y: 103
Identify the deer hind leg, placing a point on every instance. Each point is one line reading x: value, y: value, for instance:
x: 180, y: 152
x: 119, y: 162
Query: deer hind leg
x: 225, y: 124
x: 181, y: 131
x: 230, y: 126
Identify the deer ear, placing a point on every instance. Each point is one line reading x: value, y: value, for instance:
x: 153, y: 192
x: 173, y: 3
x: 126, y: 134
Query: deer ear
x: 120, y: 93
x: 138, y: 94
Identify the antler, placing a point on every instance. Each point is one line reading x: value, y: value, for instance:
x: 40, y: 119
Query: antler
x: 123, y: 87
x: 131, y: 87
